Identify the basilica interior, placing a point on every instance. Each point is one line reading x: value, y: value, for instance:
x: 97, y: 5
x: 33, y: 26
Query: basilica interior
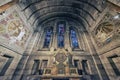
x: 59, y: 39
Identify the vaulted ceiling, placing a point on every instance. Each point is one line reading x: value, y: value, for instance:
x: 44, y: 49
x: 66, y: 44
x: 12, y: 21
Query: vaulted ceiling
x: 38, y: 11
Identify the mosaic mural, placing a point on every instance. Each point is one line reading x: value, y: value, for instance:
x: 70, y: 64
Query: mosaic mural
x: 107, y: 30
x: 13, y: 30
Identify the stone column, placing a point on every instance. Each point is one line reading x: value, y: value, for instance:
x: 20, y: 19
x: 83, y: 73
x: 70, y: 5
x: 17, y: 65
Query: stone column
x: 40, y: 70
x: 80, y: 67
x: 70, y: 60
x: 81, y: 41
x: 83, y: 68
x: 38, y: 41
x: 54, y: 41
x: 85, y: 39
x: 54, y: 37
x: 67, y: 40
x: 41, y: 40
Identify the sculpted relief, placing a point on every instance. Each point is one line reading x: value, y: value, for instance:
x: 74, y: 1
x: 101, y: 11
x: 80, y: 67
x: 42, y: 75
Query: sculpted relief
x: 13, y: 30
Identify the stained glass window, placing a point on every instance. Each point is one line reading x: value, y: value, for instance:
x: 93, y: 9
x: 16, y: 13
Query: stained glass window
x: 73, y: 38
x: 48, y: 35
x: 61, y: 30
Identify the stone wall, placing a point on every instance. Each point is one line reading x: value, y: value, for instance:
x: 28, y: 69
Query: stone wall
x: 106, y: 40
x: 8, y: 63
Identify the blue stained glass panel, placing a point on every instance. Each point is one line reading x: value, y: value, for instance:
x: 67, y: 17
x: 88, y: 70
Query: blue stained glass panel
x: 73, y: 37
x: 61, y: 31
x: 48, y: 37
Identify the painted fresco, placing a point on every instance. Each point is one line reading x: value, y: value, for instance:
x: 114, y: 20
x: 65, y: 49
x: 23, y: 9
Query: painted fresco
x: 108, y: 30
x: 13, y: 30
x: 104, y: 31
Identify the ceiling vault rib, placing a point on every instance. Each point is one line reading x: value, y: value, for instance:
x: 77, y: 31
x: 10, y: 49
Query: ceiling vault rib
x: 61, y: 6
x: 75, y: 0
x: 80, y: 16
x: 50, y: 17
x: 90, y: 5
x: 31, y: 4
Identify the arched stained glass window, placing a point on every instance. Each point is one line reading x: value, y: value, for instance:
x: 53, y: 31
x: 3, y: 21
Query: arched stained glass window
x: 48, y: 35
x: 61, y: 31
x: 73, y: 38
